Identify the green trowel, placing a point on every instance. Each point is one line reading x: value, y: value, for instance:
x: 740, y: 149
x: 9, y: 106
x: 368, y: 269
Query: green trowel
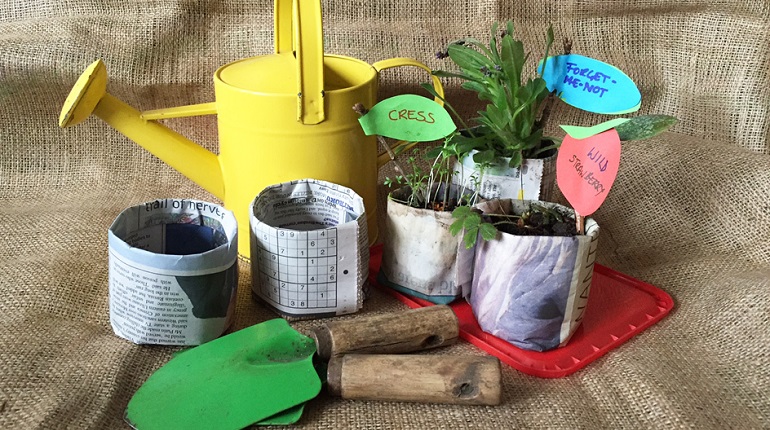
x: 265, y: 373
x: 231, y: 382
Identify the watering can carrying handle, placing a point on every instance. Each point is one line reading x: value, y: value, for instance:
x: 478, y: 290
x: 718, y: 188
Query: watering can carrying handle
x: 384, y: 158
x: 300, y: 31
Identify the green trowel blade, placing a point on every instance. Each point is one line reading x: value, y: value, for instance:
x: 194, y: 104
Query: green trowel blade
x: 284, y: 418
x: 231, y: 382
x: 292, y: 415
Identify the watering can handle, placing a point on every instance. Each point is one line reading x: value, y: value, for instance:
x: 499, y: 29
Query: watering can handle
x: 402, y: 61
x: 300, y: 31
x: 384, y: 158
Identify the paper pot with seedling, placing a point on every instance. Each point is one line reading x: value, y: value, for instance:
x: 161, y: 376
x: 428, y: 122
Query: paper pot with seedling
x: 420, y: 255
x: 507, y: 138
x: 531, y: 280
x: 533, y: 260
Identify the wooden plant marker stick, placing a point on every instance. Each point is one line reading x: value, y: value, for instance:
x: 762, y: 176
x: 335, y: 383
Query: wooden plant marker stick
x: 361, y: 111
x: 580, y: 222
x: 391, y: 154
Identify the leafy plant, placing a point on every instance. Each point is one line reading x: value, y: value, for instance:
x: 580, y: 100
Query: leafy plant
x: 415, y: 179
x: 511, y: 125
x: 431, y: 188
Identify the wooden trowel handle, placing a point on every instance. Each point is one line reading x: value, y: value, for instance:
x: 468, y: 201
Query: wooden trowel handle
x: 465, y: 380
x: 408, y: 331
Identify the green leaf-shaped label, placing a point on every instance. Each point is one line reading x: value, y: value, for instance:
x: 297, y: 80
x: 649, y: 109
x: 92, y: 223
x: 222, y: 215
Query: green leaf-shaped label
x: 408, y: 117
x: 578, y: 132
x: 645, y: 127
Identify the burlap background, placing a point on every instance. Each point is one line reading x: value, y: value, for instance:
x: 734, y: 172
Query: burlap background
x: 688, y: 213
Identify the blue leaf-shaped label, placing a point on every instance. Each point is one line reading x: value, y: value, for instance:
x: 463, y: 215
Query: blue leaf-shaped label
x: 590, y: 84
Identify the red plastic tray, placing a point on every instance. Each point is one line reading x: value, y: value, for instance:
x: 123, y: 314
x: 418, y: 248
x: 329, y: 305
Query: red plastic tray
x: 620, y: 307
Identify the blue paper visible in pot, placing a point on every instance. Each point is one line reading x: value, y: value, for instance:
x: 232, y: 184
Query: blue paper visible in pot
x: 173, y: 272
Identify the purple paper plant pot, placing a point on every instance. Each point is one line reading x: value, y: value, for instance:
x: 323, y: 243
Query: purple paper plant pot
x: 532, y: 291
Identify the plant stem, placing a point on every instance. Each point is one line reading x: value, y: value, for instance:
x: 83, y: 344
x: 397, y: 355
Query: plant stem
x: 546, y: 112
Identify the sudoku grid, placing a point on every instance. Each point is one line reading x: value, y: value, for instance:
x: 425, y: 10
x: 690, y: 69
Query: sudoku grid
x: 298, y: 269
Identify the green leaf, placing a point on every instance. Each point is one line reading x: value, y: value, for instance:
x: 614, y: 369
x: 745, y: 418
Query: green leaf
x: 472, y: 220
x: 456, y: 227
x: 495, y: 26
x: 524, y: 94
x: 512, y: 58
x: 499, y: 117
x: 529, y: 95
x: 531, y: 143
x: 477, y: 43
x: 433, y: 152
x: 555, y: 144
x: 463, y: 144
x: 466, y: 146
x: 480, y: 88
x: 468, y: 59
x: 548, y: 42
x: 461, y: 212
x: 549, y: 36
x: 430, y: 89
x: 515, y: 159
x: 645, y: 127
x: 444, y: 74
x: 539, y: 87
x: 488, y: 231
x: 470, y: 237
x: 493, y: 44
x: 484, y: 157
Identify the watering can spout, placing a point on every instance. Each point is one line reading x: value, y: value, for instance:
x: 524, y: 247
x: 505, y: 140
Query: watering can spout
x: 89, y: 95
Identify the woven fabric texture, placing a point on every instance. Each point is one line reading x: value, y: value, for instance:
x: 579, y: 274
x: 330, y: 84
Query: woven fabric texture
x: 688, y: 213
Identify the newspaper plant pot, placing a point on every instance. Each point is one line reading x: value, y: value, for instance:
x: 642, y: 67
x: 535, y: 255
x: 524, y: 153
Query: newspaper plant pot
x: 309, y: 249
x: 536, y: 176
x: 173, y: 272
x: 419, y: 255
x: 532, y: 291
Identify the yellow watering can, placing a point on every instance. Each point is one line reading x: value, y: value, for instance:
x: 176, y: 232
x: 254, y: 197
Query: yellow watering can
x: 281, y: 117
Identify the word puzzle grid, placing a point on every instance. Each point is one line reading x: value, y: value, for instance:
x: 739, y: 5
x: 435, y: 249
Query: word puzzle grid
x: 298, y: 269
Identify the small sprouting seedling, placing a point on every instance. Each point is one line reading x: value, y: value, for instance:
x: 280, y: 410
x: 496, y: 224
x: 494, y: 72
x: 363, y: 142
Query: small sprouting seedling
x: 433, y: 188
x: 415, y: 178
